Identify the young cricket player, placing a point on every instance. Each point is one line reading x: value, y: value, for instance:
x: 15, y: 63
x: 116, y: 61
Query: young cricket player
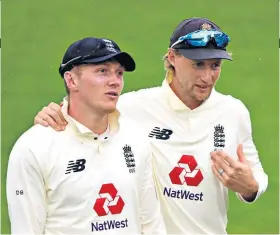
x: 96, y: 176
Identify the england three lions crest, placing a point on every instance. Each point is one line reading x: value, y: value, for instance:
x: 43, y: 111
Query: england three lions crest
x: 129, y: 158
x: 219, y: 137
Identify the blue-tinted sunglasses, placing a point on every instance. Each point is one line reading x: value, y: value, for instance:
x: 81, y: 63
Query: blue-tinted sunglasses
x: 201, y: 38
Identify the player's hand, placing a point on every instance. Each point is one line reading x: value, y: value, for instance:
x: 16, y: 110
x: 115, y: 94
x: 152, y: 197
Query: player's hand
x: 51, y: 116
x: 235, y: 175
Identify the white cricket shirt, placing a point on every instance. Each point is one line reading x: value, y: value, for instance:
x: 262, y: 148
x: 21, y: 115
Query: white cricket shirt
x: 193, y: 200
x: 76, y: 182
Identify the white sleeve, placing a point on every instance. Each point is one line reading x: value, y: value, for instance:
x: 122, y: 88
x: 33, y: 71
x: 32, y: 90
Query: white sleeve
x: 131, y: 105
x: 150, y: 213
x: 25, y: 191
x: 251, y: 154
x: 126, y: 104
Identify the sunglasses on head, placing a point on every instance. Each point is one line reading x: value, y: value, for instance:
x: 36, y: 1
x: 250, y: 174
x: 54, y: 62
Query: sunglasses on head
x: 79, y: 59
x: 201, y: 38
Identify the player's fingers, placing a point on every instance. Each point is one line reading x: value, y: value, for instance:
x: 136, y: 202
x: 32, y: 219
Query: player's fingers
x: 217, y: 174
x: 220, y: 162
x: 40, y: 121
x: 47, y: 118
x: 54, y: 115
x: 227, y: 158
x: 222, y: 176
x: 57, y: 109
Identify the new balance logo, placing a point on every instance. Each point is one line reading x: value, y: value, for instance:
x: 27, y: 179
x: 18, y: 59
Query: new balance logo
x: 162, y: 134
x: 75, y: 166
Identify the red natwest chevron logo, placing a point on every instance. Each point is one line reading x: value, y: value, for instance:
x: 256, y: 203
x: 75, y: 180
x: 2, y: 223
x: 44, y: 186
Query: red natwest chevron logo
x: 108, y: 201
x: 186, y: 171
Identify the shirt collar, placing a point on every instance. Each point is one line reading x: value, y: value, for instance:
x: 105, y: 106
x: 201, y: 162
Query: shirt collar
x: 175, y: 103
x: 113, y: 123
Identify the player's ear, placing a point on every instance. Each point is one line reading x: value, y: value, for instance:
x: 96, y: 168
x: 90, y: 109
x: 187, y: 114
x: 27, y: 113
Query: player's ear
x: 71, y: 80
x: 171, y: 56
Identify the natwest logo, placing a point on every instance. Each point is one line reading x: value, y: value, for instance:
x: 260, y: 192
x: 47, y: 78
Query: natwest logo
x: 186, y: 171
x: 109, y: 201
x: 109, y: 225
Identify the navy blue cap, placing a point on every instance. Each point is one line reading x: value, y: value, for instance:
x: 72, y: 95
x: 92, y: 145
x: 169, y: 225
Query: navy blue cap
x: 94, y: 50
x: 193, y: 24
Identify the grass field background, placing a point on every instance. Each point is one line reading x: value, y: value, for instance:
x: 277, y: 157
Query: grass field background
x: 36, y: 33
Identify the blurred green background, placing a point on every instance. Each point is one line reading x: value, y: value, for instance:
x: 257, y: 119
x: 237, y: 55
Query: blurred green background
x: 36, y: 33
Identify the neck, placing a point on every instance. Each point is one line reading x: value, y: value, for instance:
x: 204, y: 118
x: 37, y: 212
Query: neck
x: 96, y: 122
x: 189, y: 101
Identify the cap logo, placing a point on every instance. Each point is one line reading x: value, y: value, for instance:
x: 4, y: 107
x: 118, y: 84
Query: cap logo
x: 206, y: 26
x: 109, y: 45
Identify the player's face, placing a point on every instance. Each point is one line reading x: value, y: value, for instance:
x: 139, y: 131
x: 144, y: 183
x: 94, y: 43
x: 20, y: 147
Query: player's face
x: 99, y: 86
x: 194, y: 80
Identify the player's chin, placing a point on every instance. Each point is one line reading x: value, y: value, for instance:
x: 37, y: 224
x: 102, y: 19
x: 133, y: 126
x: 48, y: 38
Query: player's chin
x: 202, y: 95
x: 110, y: 107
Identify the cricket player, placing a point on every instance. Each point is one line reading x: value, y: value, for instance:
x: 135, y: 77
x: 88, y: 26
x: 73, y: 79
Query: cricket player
x: 201, y: 139
x: 96, y: 176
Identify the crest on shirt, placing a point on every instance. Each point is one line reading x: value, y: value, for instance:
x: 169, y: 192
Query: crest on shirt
x: 219, y: 137
x: 129, y: 158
